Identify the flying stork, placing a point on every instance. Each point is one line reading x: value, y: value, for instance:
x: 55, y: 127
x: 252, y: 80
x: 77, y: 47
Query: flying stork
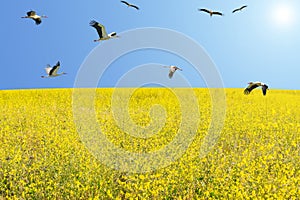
x: 210, y: 12
x: 52, y: 71
x: 130, y: 5
x: 102, y: 32
x: 253, y: 85
x: 239, y: 9
x: 172, y: 70
x: 32, y: 15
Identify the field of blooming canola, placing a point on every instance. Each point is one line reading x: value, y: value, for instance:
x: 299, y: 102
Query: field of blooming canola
x: 256, y: 156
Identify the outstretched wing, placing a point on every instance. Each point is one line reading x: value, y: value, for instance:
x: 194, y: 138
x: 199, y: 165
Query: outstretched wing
x: 217, y: 13
x: 134, y: 6
x: 239, y: 9
x: 250, y: 88
x: 235, y: 10
x: 100, y: 28
x: 243, y: 7
x: 125, y: 3
x: 54, y: 70
x: 204, y: 10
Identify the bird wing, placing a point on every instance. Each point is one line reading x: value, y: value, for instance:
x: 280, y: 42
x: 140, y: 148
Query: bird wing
x: 217, y: 13
x: 243, y: 7
x: 31, y: 13
x: 204, y: 10
x: 235, y: 10
x: 134, y: 6
x: 239, y: 9
x: 250, y: 88
x: 100, y: 28
x: 171, y: 73
x: 38, y: 20
x: 264, y: 89
x: 54, y: 69
x: 125, y: 3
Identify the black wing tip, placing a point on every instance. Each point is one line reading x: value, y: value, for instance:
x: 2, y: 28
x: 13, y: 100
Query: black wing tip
x: 264, y: 89
x: 246, y: 92
x: 29, y: 12
x: 38, y: 21
x: 264, y: 92
x: 93, y: 22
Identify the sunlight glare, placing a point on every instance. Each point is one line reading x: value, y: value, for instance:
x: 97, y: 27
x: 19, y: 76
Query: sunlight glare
x: 283, y: 15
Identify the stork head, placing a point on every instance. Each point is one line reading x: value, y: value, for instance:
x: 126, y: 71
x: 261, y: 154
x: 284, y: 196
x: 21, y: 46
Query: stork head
x: 250, y: 83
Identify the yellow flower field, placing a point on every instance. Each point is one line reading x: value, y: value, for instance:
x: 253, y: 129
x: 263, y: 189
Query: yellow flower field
x: 257, y: 156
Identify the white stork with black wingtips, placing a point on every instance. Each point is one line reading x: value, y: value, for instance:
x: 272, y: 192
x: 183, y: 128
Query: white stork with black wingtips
x: 172, y: 70
x: 102, y: 32
x: 253, y: 85
x: 52, y: 71
x: 130, y: 5
x: 210, y: 12
x: 32, y: 15
x: 239, y: 9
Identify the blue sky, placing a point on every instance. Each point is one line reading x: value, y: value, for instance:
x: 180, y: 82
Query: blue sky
x: 260, y: 43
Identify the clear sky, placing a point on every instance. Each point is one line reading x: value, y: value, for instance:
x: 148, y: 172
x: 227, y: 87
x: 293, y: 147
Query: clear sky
x: 260, y: 43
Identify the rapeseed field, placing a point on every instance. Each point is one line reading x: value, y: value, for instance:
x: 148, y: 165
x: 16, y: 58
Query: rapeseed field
x: 256, y: 156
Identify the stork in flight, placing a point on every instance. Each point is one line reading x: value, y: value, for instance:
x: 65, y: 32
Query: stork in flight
x: 52, y: 71
x: 102, y: 32
x: 210, y: 12
x: 172, y: 70
x: 130, y: 5
x: 32, y: 15
x: 253, y: 85
x: 239, y: 9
